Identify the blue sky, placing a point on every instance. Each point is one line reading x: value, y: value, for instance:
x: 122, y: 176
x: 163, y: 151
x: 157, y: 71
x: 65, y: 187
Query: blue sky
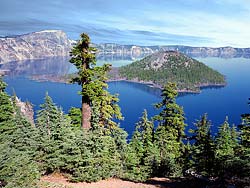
x: 142, y: 22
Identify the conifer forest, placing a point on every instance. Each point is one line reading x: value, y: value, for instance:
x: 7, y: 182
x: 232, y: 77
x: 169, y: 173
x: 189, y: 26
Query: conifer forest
x: 87, y: 144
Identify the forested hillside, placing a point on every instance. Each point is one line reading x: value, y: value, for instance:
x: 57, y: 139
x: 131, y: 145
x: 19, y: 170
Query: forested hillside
x: 87, y: 144
x: 170, y: 66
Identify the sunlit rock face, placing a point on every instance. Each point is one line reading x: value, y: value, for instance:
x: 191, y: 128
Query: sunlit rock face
x: 141, y: 51
x: 51, y: 43
x: 48, y: 43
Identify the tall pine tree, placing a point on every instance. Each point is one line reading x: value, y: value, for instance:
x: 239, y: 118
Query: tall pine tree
x: 48, y: 115
x: 83, y: 57
x: 99, y: 107
x: 245, y: 148
x: 225, y: 147
x: 6, y: 113
x: 170, y: 132
x: 245, y: 130
x: 142, y: 155
x: 203, y: 147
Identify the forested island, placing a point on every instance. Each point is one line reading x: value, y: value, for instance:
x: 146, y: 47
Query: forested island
x: 170, y: 66
x: 87, y: 144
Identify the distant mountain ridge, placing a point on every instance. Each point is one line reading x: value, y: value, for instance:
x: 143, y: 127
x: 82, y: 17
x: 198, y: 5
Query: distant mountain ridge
x: 37, y: 45
x: 140, y: 51
x: 51, y: 43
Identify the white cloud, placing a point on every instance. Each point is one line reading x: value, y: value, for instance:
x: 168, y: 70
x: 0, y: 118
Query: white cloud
x: 224, y: 30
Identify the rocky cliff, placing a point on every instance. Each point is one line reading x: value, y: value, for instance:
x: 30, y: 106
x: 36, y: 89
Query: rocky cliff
x: 35, y: 45
x: 141, y: 51
x: 26, y: 110
x: 51, y: 43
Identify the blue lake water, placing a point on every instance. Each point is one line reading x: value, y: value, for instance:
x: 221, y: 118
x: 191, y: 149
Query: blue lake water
x: 228, y: 101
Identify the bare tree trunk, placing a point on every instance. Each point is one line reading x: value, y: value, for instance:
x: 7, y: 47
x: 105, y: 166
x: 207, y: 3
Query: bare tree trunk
x: 86, y: 109
x: 86, y: 114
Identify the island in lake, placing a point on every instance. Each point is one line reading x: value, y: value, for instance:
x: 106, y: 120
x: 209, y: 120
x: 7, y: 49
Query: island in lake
x: 170, y: 66
x: 154, y: 70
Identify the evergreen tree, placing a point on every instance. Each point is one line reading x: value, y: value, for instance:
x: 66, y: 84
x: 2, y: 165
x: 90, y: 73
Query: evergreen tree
x: 105, y: 107
x: 55, y: 146
x: 225, y: 148
x: 26, y: 135
x: 170, y: 132
x: 245, y: 130
x: 234, y: 138
x: 141, y: 156
x: 55, y: 133
x: 187, y: 155
x: 203, y: 148
x: 17, y: 169
x: 224, y: 141
x: 244, y: 153
x: 75, y: 115
x: 99, y: 107
x: 99, y: 158
x: 48, y: 115
x: 120, y: 138
x: 6, y: 113
x: 132, y: 168
x: 83, y: 57
x: 18, y: 146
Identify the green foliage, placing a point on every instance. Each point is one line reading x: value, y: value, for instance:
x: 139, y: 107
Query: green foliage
x: 244, y: 162
x: 56, y: 143
x: 163, y: 67
x: 83, y: 57
x: 48, y: 115
x: 245, y: 130
x: 225, y: 148
x: 99, y: 107
x: 75, y: 116
x: 55, y: 134
x: 120, y: 138
x: 170, y: 132
x: 203, y: 148
x: 105, y: 108
x: 141, y: 155
x: 17, y: 169
x: 6, y: 113
x: 225, y: 144
x: 84, y: 155
x: 98, y: 159
x: 18, y: 146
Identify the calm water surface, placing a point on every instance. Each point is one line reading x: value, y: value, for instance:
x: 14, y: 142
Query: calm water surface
x: 228, y: 101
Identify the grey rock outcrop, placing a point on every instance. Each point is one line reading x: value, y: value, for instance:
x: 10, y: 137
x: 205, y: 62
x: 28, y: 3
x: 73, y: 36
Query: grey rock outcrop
x: 48, y: 43
x: 136, y: 52
x: 51, y: 43
x: 26, y: 110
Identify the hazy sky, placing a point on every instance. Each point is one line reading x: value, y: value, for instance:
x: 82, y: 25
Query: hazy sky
x: 143, y: 22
